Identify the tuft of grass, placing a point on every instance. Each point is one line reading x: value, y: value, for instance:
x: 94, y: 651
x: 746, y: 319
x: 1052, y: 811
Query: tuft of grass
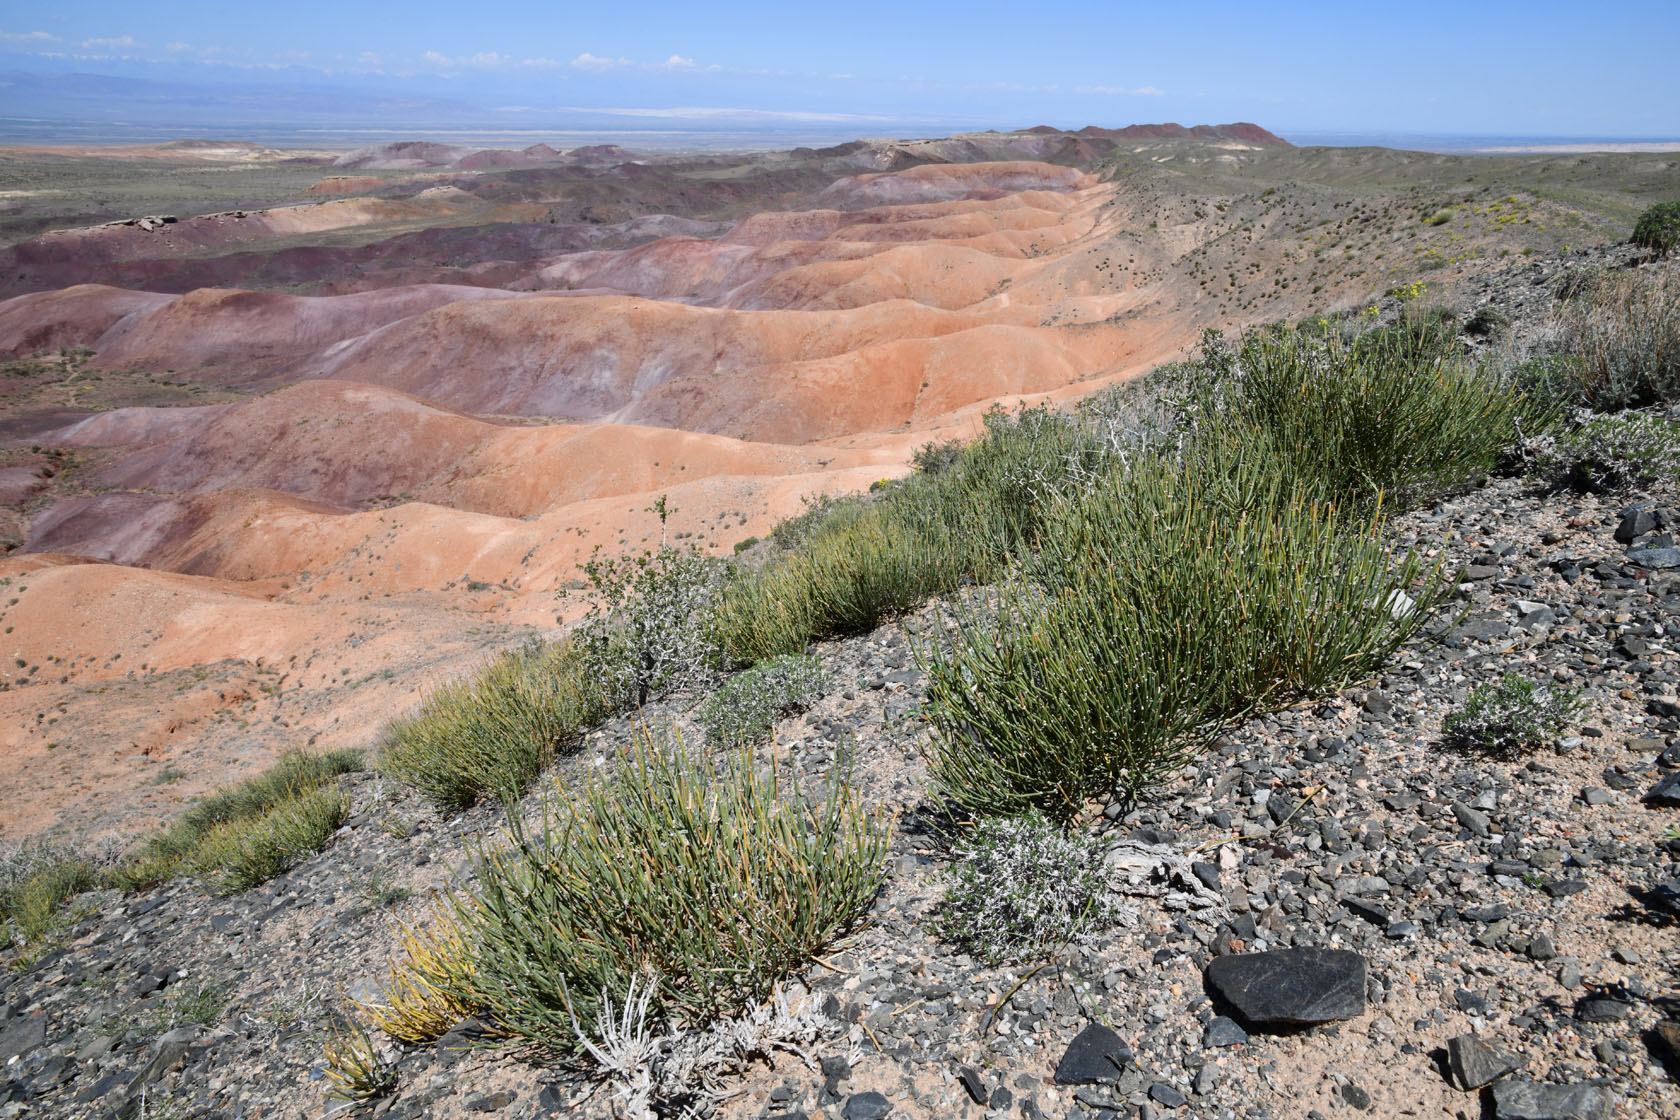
x: 491, y: 734
x: 354, y: 1066
x: 1514, y: 715
x: 218, y: 818
x: 36, y: 882
x: 237, y: 855
x: 1624, y: 331
x: 719, y: 879
x: 744, y: 710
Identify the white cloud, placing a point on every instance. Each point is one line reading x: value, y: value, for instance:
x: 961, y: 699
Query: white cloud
x: 587, y: 61
x: 678, y: 62
x: 27, y: 37
x: 114, y: 43
x: 1140, y: 91
x: 718, y: 112
x: 178, y: 47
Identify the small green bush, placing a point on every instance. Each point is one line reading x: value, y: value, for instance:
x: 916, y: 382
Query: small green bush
x: 1175, y: 596
x: 1658, y: 229
x: 1388, y: 412
x: 718, y: 880
x: 1625, y: 333
x: 159, y: 855
x: 1490, y: 321
x: 1613, y: 454
x: 1514, y: 715
x: 36, y: 882
x: 744, y: 710
x: 237, y: 855
x: 933, y: 458
x: 1019, y: 888
x: 491, y: 734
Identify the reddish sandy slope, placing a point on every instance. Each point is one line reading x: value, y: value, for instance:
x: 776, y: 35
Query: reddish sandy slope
x: 411, y: 474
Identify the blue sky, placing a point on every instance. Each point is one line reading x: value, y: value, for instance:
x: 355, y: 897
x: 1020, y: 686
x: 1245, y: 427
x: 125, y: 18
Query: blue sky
x: 1537, y: 68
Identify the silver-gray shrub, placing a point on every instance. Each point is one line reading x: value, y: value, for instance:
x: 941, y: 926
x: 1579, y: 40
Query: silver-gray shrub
x: 650, y: 630
x: 747, y: 706
x: 1019, y: 888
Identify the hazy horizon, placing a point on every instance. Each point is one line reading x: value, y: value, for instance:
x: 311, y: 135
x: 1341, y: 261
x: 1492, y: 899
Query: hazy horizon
x: 1443, y: 71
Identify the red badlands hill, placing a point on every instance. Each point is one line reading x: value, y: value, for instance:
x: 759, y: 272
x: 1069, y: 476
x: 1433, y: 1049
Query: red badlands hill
x: 394, y: 474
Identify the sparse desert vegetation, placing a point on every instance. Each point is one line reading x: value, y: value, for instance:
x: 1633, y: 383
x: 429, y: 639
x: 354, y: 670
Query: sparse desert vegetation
x: 1305, y: 639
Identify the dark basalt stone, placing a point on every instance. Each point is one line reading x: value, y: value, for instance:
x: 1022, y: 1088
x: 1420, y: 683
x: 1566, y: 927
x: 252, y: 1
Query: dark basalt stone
x: 1665, y: 792
x: 1096, y: 1056
x: 1291, y: 986
x: 1473, y: 1063
x: 867, y: 1106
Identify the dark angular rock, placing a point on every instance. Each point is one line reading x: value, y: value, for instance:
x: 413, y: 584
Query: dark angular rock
x: 1473, y: 1063
x: 1162, y: 1093
x: 1370, y: 911
x: 1096, y: 1056
x: 1471, y: 818
x: 1529, y: 1100
x: 1664, y: 1041
x: 1471, y: 1003
x: 1487, y: 913
x: 866, y: 1106
x: 1356, y: 1096
x: 1563, y: 888
x: 971, y: 1083
x: 1291, y: 986
x: 453, y: 1044
x: 1635, y: 523
x: 1655, y: 557
x: 1665, y: 896
x: 1222, y: 1031
x: 1602, y: 1009
x: 1666, y: 792
x: 490, y: 1102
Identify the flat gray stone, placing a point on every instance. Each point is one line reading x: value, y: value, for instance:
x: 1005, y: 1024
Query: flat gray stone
x: 1473, y: 1063
x: 1291, y: 986
x: 1530, y: 1100
x: 1655, y: 557
x: 22, y: 1035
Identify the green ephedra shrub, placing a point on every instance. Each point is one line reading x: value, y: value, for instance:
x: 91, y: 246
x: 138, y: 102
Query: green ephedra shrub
x: 719, y: 879
x: 1172, y: 598
x: 490, y: 735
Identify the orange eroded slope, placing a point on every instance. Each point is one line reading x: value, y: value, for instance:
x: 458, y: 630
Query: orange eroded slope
x: 292, y: 568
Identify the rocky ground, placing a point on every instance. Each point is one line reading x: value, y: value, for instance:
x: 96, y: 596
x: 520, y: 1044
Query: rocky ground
x: 1427, y: 919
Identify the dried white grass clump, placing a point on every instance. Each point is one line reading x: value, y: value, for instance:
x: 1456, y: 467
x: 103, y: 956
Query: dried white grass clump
x: 681, y: 1071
